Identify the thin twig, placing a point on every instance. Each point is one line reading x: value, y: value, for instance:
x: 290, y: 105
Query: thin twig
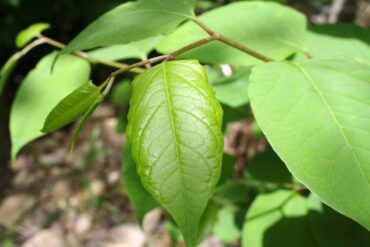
x: 170, y: 56
x: 88, y: 57
x: 231, y: 42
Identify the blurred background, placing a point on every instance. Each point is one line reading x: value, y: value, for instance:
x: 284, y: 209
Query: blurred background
x: 51, y: 198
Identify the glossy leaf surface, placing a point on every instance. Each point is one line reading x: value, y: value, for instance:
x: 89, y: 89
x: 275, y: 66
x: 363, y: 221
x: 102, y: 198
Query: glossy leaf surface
x: 278, y: 219
x: 175, y: 130
x: 71, y: 107
x: 40, y: 92
x: 133, y: 21
x: 30, y: 33
x: 316, y: 117
x: 269, y: 28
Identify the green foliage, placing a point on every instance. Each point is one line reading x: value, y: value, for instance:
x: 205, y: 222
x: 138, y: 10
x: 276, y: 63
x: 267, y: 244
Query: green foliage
x: 332, y: 229
x: 232, y: 90
x: 278, y: 219
x: 71, y: 107
x: 30, y: 33
x: 341, y: 41
x: 226, y: 228
x: 139, y: 197
x: 122, y: 93
x: 7, y: 69
x: 245, y: 22
x: 315, y: 116
x: 39, y: 93
x: 175, y: 131
x: 133, y: 21
x: 138, y: 49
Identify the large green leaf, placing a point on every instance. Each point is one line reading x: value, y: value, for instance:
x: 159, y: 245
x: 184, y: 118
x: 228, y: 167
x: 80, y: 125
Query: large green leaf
x: 269, y: 28
x: 141, y: 200
x: 40, y: 92
x: 278, y: 219
x: 175, y: 131
x: 339, y: 42
x: 133, y: 21
x: 316, y: 117
x: 7, y: 69
x: 71, y: 107
x: 332, y: 229
x: 138, y: 49
x: 30, y: 33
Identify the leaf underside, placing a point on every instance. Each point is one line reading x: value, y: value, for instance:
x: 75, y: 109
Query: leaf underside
x: 175, y: 131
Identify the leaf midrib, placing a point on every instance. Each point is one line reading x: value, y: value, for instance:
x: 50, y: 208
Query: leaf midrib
x: 176, y: 142
x: 324, y: 101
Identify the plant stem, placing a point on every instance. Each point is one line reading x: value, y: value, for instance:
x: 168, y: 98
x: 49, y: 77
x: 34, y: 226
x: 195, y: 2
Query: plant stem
x: 86, y: 56
x: 231, y: 42
x: 169, y: 56
x: 30, y: 46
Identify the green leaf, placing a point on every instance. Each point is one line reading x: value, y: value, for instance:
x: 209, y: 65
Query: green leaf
x: 232, y: 192
x: 278, y: 219
x: 207, y: 221
x: 232, y: 90
x: 39, y: 93
x: 121, y: 93
x: 340, y: 41
x: 228, y: 164
x: 138, y: 49
x: 97, y: 100
x: 71, y: 107
x: 269, y: 28
x: 133, y: 21
x: 30, y: 33
x: 332, y: 229
x: 141, y: 200
x: 175, y: 132
x: 268, y: 167
x: 316, y: 117
x: 7, y: 69
x: 226, y: 229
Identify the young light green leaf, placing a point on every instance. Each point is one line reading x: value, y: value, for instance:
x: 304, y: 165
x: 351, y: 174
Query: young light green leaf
x: 232, y: 90
x: 133, y: 21
x: 71, y: 107
x: 7, y: 69
x: 316, y: 117
x: 175, y: 130
x: 141, y: 200
x: 97, y: 100
x: 30, y: 33
x: 39, y: 93
x: 331, y: 229
x: 269, y: 28
x: 278, y: 219
x: 138, y: 49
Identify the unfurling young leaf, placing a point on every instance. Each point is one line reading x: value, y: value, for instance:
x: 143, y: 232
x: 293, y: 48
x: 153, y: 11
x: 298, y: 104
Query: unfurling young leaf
x: 175, y: 131
x: 315, y: 115
x: 30, y: 33
x: 40, y: 92
x: 71, y: 107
